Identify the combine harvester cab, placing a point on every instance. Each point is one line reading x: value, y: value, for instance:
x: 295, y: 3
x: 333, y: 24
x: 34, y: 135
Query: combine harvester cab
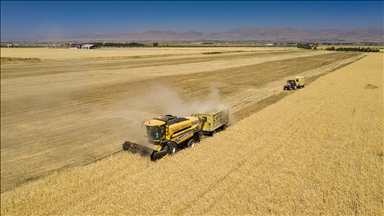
x: 213, y: 122
x: 166, y: 134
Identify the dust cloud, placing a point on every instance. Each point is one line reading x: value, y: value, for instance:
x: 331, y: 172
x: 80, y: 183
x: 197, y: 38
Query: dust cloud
x: 168, y: 101
x: 159, y: 100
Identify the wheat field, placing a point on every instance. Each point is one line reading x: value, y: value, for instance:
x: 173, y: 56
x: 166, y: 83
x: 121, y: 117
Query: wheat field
x: 68, y: 54
x: 318, y: 151
x: 59, y: 112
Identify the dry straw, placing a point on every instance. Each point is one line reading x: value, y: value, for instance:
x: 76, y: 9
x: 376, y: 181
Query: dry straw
x: 318, y: 151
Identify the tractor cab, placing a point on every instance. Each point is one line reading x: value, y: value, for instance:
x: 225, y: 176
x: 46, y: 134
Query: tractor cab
x: 291, y: 84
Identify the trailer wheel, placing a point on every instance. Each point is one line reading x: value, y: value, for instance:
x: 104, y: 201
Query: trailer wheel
x: 225, y: 127
x: 191, y: 143
x: 172, y: 148
x: 126, y: 145
x: 213, y: 132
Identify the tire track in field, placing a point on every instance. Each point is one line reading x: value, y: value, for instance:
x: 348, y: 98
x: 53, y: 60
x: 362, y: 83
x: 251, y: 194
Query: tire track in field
x: 56, y: 68
x: 251, y: 154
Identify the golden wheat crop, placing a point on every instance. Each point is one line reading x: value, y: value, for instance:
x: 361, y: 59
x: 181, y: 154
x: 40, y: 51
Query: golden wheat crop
x: 61, y: 54
x: 316, y: 152
x: 54, y: 111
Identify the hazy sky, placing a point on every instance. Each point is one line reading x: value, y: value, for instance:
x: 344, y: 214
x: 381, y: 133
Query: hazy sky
x: 36, y: 19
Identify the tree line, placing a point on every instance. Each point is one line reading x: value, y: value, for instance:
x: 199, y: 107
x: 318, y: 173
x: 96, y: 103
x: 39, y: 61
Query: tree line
x: 355, y: 49
x: 307, y: 45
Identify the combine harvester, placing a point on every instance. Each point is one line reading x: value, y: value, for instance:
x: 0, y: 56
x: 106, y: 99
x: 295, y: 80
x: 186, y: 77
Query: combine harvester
x: 167, y: 134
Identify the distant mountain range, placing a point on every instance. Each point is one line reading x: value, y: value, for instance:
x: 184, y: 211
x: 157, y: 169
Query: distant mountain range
x: 243, y: 34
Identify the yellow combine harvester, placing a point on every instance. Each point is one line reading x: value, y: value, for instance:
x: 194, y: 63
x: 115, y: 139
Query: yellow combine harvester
x: 166, y: 134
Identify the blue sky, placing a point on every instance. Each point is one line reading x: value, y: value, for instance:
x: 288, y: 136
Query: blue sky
x: 23, y: 20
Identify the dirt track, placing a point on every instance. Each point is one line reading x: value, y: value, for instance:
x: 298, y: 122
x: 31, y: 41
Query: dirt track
x: 65, y: 112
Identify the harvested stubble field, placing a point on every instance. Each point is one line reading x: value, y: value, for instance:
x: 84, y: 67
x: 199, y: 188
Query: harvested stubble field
x: 318, y: 150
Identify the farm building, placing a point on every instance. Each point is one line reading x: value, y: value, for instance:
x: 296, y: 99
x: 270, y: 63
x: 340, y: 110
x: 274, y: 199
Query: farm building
x: 81, y: 46
x: 89, y: 46
x: 75, y: 46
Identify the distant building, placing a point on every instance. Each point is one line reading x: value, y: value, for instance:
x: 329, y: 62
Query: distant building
x: 75, y: 46
x: 81, y: 46
x: 12, y: 45
x: 89, y: 46
x: 291, y: 44
x: 270, y: 44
